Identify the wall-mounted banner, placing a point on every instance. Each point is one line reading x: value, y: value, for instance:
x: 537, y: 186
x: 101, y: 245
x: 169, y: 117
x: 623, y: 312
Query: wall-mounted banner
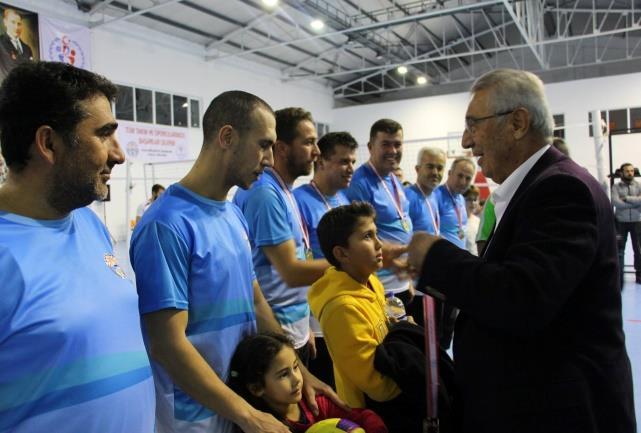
x: 61, y: 41
x: 18, y: 38
x: 144, y: 142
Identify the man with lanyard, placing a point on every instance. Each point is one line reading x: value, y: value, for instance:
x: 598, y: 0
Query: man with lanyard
x: 198, y: 293
x: 280, y: 242
x: 423, y: 205
x: 332, y: 172
x: 451, y: 203
x: 376, y: 183
x: 72, y: 357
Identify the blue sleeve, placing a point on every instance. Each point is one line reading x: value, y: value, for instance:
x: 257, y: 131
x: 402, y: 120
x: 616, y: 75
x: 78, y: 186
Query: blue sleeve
x: 358, y: 191
x: 161, y: 260
x: 267, y: 219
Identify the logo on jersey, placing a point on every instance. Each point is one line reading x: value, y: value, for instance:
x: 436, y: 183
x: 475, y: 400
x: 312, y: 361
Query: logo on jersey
x: 112, y: 262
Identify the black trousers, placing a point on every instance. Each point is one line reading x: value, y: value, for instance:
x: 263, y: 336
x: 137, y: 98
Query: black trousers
x: 634, y: 229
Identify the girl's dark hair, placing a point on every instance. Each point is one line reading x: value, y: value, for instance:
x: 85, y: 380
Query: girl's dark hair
x: 250, y: 363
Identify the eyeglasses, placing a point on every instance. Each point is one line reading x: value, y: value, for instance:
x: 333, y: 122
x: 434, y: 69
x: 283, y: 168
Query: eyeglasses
x: 471, y: 122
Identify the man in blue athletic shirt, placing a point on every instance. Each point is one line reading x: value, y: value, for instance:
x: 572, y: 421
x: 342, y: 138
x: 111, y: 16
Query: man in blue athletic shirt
x: 72, y: 357
x: 198, y: 293
x: 333, y: 171
x: 423, y: 206
x: 451, y: 202
x: 375, y: 182
x: 280, y: 243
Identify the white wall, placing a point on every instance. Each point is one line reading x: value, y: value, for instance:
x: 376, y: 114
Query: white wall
x: 425, y: 120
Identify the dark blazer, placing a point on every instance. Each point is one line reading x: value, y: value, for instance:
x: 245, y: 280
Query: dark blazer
x: 10, y: 57
x: 539, y: 344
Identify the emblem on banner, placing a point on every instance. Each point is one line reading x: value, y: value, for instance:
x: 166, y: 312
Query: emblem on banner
x: 66, y: 50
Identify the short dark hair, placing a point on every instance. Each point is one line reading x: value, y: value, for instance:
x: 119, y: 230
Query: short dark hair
x: 250, y: 363
x: 337, y: 225
x: 287, y: 120
x: 44, y: 93
x: 156, y: 188
x: 328, y: 142
x: 234, y: 108
x: 626, y: 164
x: 387, y: 126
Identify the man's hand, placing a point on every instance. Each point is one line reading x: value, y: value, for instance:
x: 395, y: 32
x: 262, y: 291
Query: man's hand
x: 312, y: 386
x: 312, y: 345
x: 261, y: 422
x: 392, y: 254
x: 418, y: 249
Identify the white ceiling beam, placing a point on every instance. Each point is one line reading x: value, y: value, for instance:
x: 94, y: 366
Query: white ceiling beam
x: 524, y: 34
x: 372, y: 26
x: 134, y: 14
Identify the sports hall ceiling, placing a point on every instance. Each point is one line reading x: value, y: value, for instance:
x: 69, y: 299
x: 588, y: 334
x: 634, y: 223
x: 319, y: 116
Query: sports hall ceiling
x: 443, y: 45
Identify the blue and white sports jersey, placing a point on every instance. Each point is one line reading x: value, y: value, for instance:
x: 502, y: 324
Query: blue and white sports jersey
x: 272, y: 221
x: 72, y: 357
x: 366, y: 186
x: 312, y: 208
x: 192, y: 253
x: 450, y: 215
x: 423, y: 218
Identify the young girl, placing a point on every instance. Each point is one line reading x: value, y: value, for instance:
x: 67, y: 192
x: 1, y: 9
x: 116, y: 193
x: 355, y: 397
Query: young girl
x: 265, y: 372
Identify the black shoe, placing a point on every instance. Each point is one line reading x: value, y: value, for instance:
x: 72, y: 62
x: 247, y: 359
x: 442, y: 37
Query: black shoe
x: 638, y: 279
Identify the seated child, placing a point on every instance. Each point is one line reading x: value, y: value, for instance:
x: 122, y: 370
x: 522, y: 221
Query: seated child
x: 265, y: 371
x: 349, y: 302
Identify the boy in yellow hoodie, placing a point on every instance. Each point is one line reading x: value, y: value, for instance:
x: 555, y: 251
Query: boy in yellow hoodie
x: 349, y: 302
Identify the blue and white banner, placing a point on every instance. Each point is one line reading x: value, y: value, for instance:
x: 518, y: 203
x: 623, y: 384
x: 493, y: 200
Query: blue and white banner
x: 61, y: 41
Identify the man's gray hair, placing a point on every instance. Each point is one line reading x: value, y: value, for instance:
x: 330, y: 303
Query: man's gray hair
x: 434, y: 151
x: 510, y: 89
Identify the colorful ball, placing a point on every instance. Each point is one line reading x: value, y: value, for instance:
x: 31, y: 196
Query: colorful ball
x: 335, y: 425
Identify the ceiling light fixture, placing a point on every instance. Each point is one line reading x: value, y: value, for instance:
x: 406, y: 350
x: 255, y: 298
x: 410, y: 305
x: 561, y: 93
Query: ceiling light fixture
x: 402, y: 70
x: 317, y: 24
x: 270, y: 3
x: 421, y: 80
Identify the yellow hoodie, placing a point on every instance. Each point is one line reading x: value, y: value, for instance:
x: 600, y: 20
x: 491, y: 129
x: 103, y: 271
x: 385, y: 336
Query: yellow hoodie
x: 352, y: 317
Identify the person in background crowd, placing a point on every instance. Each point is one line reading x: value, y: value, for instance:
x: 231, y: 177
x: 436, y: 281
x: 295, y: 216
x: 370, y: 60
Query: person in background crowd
x: 156, y: 191
x: 561, y: 145
x: 472, y: 207
x: 626, y: 198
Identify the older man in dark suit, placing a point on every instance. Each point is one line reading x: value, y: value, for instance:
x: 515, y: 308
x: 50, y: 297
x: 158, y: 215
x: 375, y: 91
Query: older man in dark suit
x: 539, y: 344
x: 13, y: 50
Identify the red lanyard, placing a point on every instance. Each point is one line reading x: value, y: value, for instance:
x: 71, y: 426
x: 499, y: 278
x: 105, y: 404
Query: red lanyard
x: 431, y: 358
x: 320, y: 194
x: 433, y: 214
x: 396, y: 197
x: 303, y: 229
